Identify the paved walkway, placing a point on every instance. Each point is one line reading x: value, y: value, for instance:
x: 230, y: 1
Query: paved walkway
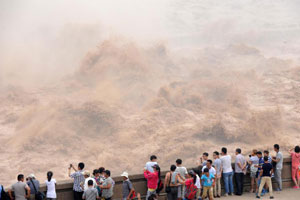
x: 286, y: 194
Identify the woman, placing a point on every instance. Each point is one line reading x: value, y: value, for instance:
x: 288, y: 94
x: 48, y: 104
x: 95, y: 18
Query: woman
x: 97, y: 178
x: 190, y: 186
x: 253, y: 162
x: 295, y: 166
x: 152, y: 180
x: 172, y: 183
x: 50, y: 183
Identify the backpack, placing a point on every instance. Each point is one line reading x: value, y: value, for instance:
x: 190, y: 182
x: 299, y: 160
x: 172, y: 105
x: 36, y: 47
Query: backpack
x: 160, y: 186
x: 38, y: 195
x: 190, y: 192
x: 3, y: 195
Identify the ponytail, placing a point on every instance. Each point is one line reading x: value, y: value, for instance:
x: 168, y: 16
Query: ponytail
x: 49, y: 176
x: 158, y: 170
x: 195, y: 178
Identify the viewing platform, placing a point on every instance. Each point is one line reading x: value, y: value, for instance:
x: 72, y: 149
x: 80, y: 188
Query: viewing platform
x: 64, y: 188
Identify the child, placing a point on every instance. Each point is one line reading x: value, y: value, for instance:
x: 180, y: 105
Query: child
x: 208, y: 182
x: 91, y: 193
x: 265, y: 173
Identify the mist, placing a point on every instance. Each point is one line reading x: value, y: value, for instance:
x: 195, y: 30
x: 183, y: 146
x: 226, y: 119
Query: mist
x: 111, y: 82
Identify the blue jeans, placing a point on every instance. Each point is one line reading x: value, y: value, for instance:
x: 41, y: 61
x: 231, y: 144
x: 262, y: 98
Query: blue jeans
x: 227, y: 177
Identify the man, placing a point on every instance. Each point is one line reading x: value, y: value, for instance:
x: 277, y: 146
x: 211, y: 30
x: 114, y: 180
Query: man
x: 87, y: 177
x: 20, y: 189
x: 266, y: 173
x: 34, y: 186
x: 203, y: 159
x: 78, y: 179
x: 151, y: 163
x: 218, y: 166
x: 240, y: 169
x: 127, y: 189
x: 278, y: 160
x: 227, y: 172
x: 91, y: 193
x: 209, y: 166
x: 182, y: 171
x: 107, y: 186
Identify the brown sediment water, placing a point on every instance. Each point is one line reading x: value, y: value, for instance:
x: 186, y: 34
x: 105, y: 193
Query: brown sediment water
x: 126, y: 100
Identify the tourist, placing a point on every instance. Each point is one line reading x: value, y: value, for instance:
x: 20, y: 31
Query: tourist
x: 96, y: 174
x: 265, y: 173
x: 151, y: 163
x: 191, y: 188
x: 227, y: 172
x: 267, y: 153
x: 3, y: 195
x: 208, y: 182
x: 107, y: 186
x: 50, y: 185
x: 34, y: 186
x: 91, y: 193
x: 279, y: 161
x: 172, y: 183
x: 197, y: 184
x: 295, y: 166
x: 102, y: 177
x: 209, y: 166
x: 204, y: 159
x: 87, y: 177
x: 182, y: 171
x: 218, y: 166
x: 21, y: 190
x: 152, y: 180
x: 240, y: 170
x: 127, y: 188
x: 260, y: 163
x: 78, y: 178
x: 253, y: 162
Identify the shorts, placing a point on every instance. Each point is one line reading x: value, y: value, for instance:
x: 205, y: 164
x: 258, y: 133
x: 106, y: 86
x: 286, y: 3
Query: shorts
x: 253, y: 171
x: 181, y: 191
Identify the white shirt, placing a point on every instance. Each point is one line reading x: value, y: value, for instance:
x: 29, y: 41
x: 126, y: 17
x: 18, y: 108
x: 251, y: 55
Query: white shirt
x: 182, y: 171
x: 212, y: 170
x: 198, y: 183
x: 226, y: 164
x: 149, y: 166
x: 85, y: 187
x: 51, y: 193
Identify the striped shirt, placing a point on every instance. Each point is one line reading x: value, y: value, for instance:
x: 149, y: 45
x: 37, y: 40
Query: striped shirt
x: 78, y: 178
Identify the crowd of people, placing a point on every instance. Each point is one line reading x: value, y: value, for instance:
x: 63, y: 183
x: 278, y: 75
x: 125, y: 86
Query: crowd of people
x: 179, y: 183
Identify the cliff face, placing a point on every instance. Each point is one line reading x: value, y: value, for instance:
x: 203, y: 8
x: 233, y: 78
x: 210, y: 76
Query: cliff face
x: 126, y: 102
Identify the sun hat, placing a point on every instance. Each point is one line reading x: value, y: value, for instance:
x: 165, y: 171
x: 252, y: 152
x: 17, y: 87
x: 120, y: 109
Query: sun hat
x: 125, y: 174
x: 31, y: 176
x: 86, y: 173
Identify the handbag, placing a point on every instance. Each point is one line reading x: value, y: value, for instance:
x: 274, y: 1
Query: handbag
x: 38, y: 195
x: 133, y: 194
x: 168, y: 188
